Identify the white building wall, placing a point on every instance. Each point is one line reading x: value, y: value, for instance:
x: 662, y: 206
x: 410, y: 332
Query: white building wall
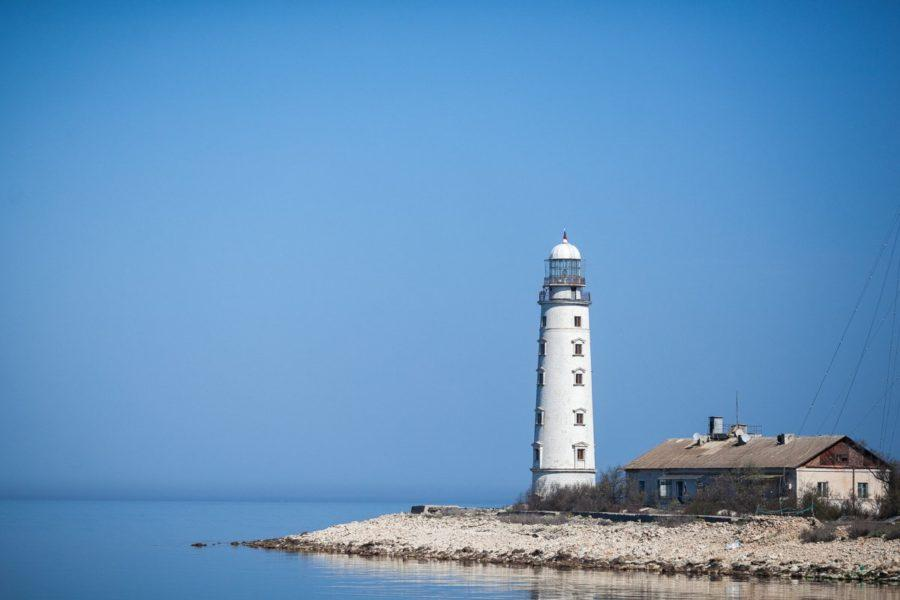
x: 842, y: 483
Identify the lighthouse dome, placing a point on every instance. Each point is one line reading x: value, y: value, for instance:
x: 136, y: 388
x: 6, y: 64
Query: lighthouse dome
x: 565, y: 251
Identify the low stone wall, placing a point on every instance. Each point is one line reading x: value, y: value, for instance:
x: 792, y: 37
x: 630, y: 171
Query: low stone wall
x: 754, y: 547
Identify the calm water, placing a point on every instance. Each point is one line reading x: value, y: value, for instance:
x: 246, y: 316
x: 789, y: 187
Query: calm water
x: 141, y: 550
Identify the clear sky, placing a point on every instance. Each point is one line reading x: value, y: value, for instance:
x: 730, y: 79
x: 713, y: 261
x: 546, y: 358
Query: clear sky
x: 294, y: 251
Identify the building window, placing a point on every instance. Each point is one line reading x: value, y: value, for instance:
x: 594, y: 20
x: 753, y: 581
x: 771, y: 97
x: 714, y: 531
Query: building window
x: 579, y: 378
x: 543, y: 320
x: 542, y: 348
x: 539, y: 417
x: 577, y: 321
x: 642, y: 486
x: 862, y: 490
x: 579, y: 454
x: 540, y: 378
x: 579, y: 418
x: 578, y: 348
x: 663, y: 488
x: 822, y: 489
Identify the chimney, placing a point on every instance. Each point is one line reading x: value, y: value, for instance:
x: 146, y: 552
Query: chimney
x: 716, y: 427
x: 785, y: 438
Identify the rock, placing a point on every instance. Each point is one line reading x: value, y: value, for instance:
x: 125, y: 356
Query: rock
x: 198, y: 545
x: 770, y: 546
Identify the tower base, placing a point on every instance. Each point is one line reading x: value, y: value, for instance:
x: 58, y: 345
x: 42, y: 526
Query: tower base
x: 543, y: 482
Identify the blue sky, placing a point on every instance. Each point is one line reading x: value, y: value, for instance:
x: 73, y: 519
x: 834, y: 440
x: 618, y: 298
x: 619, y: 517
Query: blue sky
x: 294, y: 251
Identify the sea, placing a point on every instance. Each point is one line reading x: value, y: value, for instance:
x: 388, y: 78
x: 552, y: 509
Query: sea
x: 136, y: 550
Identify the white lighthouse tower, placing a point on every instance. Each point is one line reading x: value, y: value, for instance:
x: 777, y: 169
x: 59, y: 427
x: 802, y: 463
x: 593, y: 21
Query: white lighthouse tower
x: 564, y: 417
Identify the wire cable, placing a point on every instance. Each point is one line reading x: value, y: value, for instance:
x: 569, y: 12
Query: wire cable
x: 859, y: 300
x: 865, y: 349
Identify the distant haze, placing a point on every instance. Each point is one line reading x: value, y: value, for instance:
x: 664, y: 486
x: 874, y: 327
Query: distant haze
x: 295, y: 252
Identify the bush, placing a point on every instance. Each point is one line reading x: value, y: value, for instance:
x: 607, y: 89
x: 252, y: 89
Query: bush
x: 818, y: 534
x: 888, y: 531
x: 741, y: 490
x: 823, y: 509
x: 860, y: 529
x: 611, y: 493
x: 889, y: 503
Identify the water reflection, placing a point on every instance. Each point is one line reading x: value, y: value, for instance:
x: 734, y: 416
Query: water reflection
x: 395, y: 577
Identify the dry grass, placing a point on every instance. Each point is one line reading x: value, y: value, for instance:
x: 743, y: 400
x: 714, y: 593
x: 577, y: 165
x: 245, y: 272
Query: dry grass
x: 818, y: 534
x: 888, y: 531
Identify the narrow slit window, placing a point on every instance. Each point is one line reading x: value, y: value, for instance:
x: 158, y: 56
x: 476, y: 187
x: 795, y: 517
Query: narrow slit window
x: 539, y: 417
x: 579, y: 453
x: 579, y: 378
x: 540, y: 378
x: 577, y: 321
x: 542, y: 349
x: 579, y: 418
x: 537, y: 456
x: 544, y: 321
x: 578, y: 349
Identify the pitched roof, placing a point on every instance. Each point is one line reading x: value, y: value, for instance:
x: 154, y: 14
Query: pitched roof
x: 759, y: 452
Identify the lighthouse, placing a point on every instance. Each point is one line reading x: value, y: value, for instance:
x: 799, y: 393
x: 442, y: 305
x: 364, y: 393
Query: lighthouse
x: 563, y: 449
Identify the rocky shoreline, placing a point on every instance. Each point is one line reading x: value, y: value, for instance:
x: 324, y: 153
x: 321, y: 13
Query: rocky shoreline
x: 765, y: 547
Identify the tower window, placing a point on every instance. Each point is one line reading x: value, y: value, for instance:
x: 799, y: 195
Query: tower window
x: 538, y: 417
x: 577, y: 321
x: 537, y: 457
x: 540, y: 378
x: 579, y: 378
x: 578, y: 348
x: 579, y: 418
x: 542, y: 349
x: 543, y: 320
x: 579, y: 454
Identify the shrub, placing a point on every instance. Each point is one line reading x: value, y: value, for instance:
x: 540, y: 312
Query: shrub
x: 889, y: 531
x: 860, y: 529
x: 612, y: 492
x: 823, y: 509
x: 889, y: 502
x: 740, y: 490
x: 817, y: 534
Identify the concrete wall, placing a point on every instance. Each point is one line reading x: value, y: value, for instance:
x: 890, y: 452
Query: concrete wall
x: 841, y: 482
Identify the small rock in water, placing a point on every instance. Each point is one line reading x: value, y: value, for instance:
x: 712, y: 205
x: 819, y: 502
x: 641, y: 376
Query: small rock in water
x: 198, y: 545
